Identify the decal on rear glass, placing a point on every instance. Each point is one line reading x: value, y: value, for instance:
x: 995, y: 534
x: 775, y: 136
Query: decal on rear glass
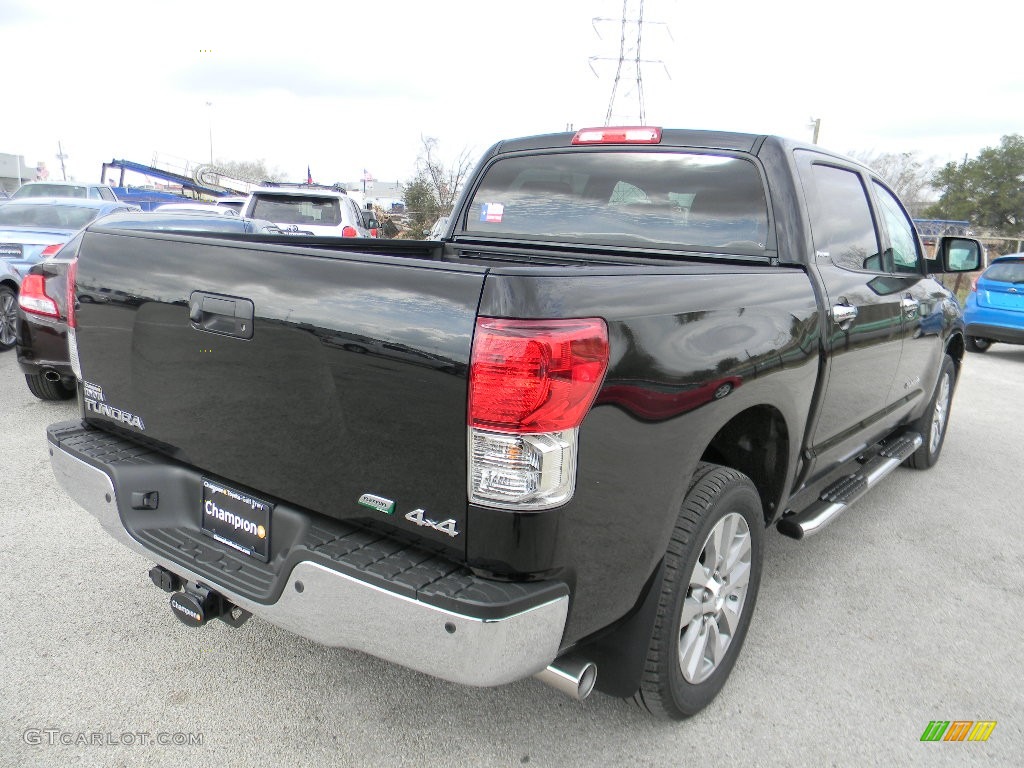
x: 492, y: 212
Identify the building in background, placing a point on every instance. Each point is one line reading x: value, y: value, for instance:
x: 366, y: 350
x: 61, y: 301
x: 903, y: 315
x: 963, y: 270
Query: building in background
x: 386, y: 195
x: 13, y: 173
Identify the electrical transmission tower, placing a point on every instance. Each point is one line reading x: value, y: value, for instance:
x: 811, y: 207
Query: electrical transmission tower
x: 628, y: 67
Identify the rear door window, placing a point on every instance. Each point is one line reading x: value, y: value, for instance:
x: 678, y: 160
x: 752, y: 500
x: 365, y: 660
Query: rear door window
x: 841, y: 221
x: 667, y: 199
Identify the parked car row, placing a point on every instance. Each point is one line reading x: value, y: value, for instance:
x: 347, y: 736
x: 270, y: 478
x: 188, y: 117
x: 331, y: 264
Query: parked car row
x: 314, y: 208
x: 41, y: 216
x: 32, y: 228
x: 64, y: 189
x: 34, y: 298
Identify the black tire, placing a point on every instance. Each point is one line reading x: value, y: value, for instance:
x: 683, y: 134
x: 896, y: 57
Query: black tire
x: 8, y: 318
x: 976, y: 344
x: 934, y: 422
x: 39, y: 386
x: 716, y: 495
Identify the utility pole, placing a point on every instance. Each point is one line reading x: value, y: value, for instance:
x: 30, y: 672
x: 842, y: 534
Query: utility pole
x: 628, y: 62
x: 209, y: 123
x: 62, y: 157
x: 815, y: 124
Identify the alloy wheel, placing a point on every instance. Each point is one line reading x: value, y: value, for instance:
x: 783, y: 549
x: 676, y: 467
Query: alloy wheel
x: 939, y: 415
x: 715, y: 598
x: 8, y: 318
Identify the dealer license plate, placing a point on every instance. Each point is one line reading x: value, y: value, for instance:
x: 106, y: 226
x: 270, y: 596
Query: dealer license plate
x: 236, y: 519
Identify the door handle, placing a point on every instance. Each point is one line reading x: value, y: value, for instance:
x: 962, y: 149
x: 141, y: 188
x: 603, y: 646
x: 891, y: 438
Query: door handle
x: 843, y: 315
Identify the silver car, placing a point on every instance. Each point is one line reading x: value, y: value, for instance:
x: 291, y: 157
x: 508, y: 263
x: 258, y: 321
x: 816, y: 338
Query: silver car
x: 32, y: 229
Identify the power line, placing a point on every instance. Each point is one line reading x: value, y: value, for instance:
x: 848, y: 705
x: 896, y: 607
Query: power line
x: 629, y: 63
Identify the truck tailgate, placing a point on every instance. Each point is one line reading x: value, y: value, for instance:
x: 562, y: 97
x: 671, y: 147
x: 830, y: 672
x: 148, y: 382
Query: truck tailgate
x: 287, y: 373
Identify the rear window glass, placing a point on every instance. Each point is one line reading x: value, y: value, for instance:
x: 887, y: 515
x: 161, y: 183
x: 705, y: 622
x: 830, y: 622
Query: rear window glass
x: 624, y: 198
x: 290, y: 209
x: 177, y: 223
x: 51, y: 190
x: 43, y: 216
x: 1006, y: 272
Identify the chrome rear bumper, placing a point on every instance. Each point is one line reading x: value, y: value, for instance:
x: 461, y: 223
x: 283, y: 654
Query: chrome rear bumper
x: 336, y: 609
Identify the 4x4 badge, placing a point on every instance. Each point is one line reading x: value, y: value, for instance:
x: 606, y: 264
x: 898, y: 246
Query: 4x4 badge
x: 446, y: 526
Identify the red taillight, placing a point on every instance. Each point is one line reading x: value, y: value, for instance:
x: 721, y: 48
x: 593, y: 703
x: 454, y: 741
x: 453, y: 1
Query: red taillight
x: 33, y: 297
x: 51, y: 250
x: 634, y: 134
x: 349, y: 232
x: 535, y: 375
x: 373, y: 232
x: 70, y: 296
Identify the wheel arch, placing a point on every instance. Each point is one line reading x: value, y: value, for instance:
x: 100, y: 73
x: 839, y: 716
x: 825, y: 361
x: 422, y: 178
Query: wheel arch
x: 956, y: 347
x: 755, y: 442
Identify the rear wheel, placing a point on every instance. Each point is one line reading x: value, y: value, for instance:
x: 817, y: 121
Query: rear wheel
x: 934, y: 421
x: 976, y: 344
x: 44, y: 389
x: 8, y: 317
x: 712, y: 574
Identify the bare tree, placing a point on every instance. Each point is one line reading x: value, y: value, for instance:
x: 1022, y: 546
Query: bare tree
x: 908, y: 174
x: 432, y: 192
x: 445, y: 180
x: 248, y: 170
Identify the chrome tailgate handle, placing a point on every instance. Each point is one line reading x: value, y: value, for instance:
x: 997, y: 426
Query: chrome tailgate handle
x: 223, y: 315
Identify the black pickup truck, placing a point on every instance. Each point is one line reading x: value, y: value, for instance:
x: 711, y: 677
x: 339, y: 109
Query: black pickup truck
x: 548, y: 444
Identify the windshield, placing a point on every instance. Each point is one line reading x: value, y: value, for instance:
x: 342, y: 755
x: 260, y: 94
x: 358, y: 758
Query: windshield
x: 624, y: 198
x: 1006, y: 272
x: 46, y: 216
x: 304, y: 211
x: 51, y: 190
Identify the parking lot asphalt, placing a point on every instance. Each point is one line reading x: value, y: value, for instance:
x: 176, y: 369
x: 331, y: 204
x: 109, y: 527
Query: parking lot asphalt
x: 905, y: 610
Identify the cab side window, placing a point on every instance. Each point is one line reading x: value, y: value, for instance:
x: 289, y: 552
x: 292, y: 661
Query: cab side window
x: 841, y: 221
x: 902, y: 235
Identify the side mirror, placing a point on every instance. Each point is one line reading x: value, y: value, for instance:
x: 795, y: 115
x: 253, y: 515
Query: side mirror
x: 957, y: 254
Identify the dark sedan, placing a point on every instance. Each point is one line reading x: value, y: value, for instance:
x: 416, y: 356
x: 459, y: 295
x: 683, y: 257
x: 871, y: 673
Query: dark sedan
x: 31, y: 230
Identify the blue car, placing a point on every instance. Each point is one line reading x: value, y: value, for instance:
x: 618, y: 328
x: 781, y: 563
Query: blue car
x: 995, y: 305
x: 32, y: 229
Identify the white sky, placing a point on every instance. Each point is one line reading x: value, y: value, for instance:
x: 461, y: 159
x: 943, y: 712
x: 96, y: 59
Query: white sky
x: 341, y: 86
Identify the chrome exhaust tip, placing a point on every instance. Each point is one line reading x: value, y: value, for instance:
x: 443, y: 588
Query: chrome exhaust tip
x: 51, y: 375
x: 572, y: 675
